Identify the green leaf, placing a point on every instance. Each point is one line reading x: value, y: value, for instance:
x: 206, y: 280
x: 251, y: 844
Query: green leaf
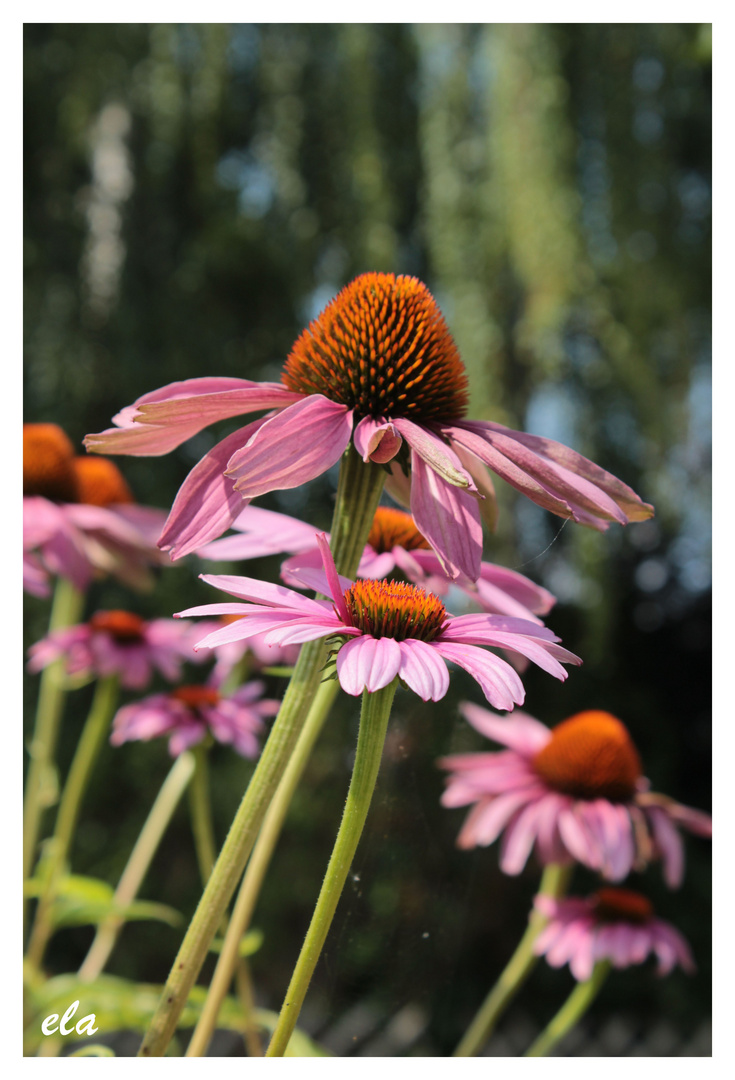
x: 81, y: 900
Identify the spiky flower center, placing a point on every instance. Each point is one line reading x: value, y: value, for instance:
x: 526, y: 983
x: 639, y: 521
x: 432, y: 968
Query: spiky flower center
x: 382, y: 348
x: 590, y: 756
x: 194, y: 697
x: 396, y: 610
x: 48, y: 457
x: 100, y: 482
x: 125, y: 627
x: 614, y: 905
x: 394, y: 528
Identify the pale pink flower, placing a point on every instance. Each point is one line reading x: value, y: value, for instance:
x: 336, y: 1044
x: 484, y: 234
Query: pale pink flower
x: 188, y: 713
x: 119, y: 643
x: 575, y: 792
x: 392, y: 629
x: 378, y: 368
x: 613, y: 924
x: 394, y: 542
x: 79, y: 518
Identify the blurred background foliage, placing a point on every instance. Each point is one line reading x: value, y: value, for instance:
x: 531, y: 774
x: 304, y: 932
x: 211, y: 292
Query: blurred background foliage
x: 194, y: 194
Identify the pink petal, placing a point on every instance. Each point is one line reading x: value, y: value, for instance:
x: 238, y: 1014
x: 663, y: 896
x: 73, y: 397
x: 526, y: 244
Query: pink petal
x: 668, y: 845
x: 367, y: 663
x: 376, y: 566
x: 333, y: 579
x: 541, y: 653
x: 422, y: 670
x: 262, y: 532
x: 508, y: 470
x: 398, y: 485
x: 520, y: 731
x: 449, y: 518
x: 291, y: 448
x: 519, y: 839
x: 205, y: 409
x: 376, y: 440
x: 484, y: 483
x: 439, y: 457
x: 498, y: 681
x: 460, y: 627
x: 486, y: 822
x: 537, y: 599
x: 625, y: 497
x: 207, y: 502
x: 308, y: 577
x: 160, y: 421
x: 264, y: 592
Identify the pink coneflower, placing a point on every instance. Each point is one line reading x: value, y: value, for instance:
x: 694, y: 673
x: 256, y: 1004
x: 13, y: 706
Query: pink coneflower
x: 394, y: 542
x: 188, y: 713
x: 118, y: 643
x: 613, y: 924
x: 378, y: 367
x: 576, y: 792
x: 392, y: 629
x: 79, y: 517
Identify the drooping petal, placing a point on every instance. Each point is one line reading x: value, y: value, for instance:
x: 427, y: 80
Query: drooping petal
x: 521, y: 732
x: 293, y: 447
x: 668, y: 845
x: 206, y: 503
x: 497, y: 679
x: 160, y: 421
x: 484, y: 483
x: 376, y: 440
x: 423, y: 670
x: 367, y: 663
x: 630, y: 503
x: 449, y: 518
x: 435, y: 453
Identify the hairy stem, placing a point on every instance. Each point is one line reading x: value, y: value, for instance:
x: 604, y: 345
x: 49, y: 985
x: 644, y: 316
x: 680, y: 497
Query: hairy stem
x: 370, y: 740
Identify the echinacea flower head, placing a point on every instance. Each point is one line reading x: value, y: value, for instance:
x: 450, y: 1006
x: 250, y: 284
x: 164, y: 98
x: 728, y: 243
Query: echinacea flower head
x: 394, y: 543
x: 79, y: 517
x: 118, y: 643
x: 617, y: 925
x: 378, y: 367
x: 575, y: 792
x: 388, y: 629
x: 189, y: 713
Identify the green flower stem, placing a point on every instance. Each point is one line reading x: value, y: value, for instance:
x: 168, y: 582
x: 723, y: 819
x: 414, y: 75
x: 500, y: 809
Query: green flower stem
x: 554, y: 882
x: 41, y: 783
x: 87, y: 752
x: 201, y: 813
x: 570, y: 1013
x: 258, y: 867
x: 140, y: 860
x: 371, y: 737
x: 358, y: 494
